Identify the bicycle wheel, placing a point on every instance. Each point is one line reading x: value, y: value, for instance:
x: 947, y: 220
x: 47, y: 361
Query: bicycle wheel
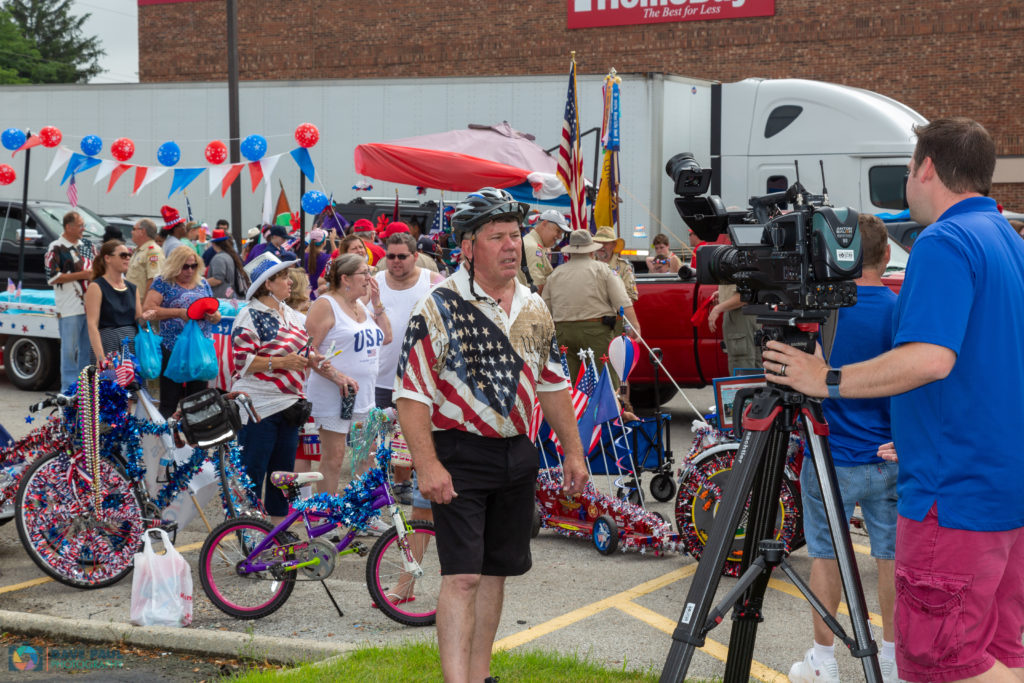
x: 402, y: 597
x: 697, y: 504
x: 237, y: 499
x: 243, y: 596
x: 60, y: 528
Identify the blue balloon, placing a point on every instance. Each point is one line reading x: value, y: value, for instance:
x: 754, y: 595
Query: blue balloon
x: 254, y: 147
x: 169, y: 153
x: 13, y: 138
x: 314, y: 201
x: 91, y: 145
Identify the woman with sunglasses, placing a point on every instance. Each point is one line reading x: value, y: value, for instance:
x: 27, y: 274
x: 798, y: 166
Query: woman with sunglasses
x: 180, y: 284
x: 341, y: 325
x: 112, y: 306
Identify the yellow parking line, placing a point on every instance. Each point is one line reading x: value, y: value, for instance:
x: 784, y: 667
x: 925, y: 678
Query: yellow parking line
x: 25, y: 584
x: 711, y: 647
x: 581, y: 613
x: 790, y: 589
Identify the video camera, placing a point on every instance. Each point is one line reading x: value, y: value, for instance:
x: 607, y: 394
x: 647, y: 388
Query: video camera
x: 793, y: 266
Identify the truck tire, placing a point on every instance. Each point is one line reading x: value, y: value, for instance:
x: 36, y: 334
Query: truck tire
x: 642, y: 396
x: 31, y: 363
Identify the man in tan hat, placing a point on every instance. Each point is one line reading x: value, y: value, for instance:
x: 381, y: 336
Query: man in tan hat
x: 585, y: 297
x: 551, y: 227
x: 610, y: 246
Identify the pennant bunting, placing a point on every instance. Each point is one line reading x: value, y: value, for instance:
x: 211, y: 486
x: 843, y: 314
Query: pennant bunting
x: 105, y: 169
x: 217, y: 174
x: 183, y: 177
x: 59, y: 159
x: 267, y: 202
x: 32, y: 141
x: 230, y: 177
x: 72, y: 167
x: 301, y: 157
x: 152, y: 173
x: 116, y: 174
x: 256, y: 173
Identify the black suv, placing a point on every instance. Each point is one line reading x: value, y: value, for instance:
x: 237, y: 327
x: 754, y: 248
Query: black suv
x: 45, y: 224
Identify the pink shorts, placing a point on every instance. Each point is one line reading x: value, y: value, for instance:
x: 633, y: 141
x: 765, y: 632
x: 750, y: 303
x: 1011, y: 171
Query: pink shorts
x: 959, y: 600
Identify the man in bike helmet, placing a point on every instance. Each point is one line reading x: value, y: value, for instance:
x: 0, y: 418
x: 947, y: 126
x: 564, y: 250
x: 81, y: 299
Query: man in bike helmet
x: 480, y: 349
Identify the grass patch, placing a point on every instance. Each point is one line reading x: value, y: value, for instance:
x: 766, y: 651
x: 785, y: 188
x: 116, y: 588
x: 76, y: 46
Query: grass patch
x: 418, y: 661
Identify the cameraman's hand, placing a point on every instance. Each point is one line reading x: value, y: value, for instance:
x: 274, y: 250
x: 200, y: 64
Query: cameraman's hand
x: 713, y: 315
x: 793, y: 368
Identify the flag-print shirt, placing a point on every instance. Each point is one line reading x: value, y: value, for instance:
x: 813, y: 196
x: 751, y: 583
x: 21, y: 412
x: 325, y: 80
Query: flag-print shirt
x: 478, y: 368
x: 64, y: 257
x: 262, y: 331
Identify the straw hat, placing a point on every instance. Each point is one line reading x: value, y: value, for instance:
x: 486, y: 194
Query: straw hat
x: 607, y: 234
x: 580, y: 242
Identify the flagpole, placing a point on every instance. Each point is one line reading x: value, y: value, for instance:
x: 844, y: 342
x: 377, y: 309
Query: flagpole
x: 24, y: 211
x: 632, y: 461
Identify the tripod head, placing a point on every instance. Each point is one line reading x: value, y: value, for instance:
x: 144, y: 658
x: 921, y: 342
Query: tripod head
x: 799, y: 329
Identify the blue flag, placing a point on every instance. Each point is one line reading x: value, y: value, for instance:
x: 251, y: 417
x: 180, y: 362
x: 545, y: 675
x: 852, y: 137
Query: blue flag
x: 601, y: 408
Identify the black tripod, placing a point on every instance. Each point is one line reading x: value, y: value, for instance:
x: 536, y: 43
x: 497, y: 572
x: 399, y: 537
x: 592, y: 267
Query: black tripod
x: 757, y: 472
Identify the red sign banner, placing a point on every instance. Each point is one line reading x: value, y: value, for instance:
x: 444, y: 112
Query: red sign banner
x: 588, y: 13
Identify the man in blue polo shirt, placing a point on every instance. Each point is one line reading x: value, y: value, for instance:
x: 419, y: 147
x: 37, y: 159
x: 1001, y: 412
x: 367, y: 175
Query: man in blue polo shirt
x: 956, y: 374
x: 857, y: 427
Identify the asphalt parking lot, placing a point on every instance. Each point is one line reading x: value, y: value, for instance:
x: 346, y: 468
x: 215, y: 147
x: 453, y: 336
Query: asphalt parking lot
x: 617, y: 610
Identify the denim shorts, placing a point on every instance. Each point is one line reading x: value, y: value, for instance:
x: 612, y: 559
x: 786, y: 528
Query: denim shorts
x: 871, y: 486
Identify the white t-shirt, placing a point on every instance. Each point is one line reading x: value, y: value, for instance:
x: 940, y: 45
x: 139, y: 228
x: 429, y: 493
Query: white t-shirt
x: 360, y: 345
x: 399, y: 304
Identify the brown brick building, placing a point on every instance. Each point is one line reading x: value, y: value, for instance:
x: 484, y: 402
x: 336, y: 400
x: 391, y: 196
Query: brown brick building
x: 940, y: 57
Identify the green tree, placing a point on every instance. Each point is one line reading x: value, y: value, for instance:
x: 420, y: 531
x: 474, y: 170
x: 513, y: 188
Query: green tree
x: 66, y: 55
x: 20, y: 61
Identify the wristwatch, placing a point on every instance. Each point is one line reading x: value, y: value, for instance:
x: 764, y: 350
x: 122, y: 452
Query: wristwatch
x: 832, y: 379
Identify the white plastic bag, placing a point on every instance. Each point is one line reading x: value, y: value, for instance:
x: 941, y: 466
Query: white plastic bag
x: 161, y: 586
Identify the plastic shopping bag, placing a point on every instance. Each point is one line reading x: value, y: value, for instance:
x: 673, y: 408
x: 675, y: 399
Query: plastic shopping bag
x: 194, y: 356
x: 147, y: 350
x: 161, y: 586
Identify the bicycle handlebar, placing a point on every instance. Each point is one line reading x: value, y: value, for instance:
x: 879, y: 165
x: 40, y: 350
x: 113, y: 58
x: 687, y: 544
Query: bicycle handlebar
x: 54, y: 401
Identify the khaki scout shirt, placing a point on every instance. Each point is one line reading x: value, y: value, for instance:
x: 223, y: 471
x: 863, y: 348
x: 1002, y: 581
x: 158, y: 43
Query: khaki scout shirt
x: 146, y: 263
x: 538, y: 259
x: 624, y: 270
x: 584, y: 289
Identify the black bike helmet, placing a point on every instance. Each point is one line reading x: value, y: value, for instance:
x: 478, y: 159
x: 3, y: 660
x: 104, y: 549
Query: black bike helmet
x: 484, y: 206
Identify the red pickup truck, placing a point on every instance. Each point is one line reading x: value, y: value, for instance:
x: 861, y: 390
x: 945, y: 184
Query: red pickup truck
x: 690, y: 355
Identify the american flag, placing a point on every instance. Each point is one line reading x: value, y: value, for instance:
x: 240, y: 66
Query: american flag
x: 579, y: 398
x: 570, y: 157
x: 124, y: 373
x: 72, y: 191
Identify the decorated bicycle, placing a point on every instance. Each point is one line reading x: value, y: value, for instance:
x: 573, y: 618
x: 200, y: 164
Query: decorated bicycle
x: 249, y: 567
x: 81, y: 509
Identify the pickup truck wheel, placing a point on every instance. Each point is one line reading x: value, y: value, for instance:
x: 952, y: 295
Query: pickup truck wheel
x: 31, y: 363
x: 642, y: 396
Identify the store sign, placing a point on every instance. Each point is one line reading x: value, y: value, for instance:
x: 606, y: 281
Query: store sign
x: 588, y: 13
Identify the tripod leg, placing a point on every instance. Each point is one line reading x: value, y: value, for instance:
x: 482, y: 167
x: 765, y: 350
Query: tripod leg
x: 764, y: 507
x: 839, y: 527
x: 689, y: 632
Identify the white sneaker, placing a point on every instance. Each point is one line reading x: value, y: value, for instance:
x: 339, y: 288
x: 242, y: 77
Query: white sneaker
x: 888, y: 667
x: 376, y: 527
x: 810, y: 671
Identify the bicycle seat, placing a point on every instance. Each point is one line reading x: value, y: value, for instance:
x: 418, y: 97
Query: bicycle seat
x: 284, y: 479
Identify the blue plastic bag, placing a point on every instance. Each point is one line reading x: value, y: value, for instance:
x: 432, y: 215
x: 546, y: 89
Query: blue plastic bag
x: 147, y: 350
x: 194, y: 357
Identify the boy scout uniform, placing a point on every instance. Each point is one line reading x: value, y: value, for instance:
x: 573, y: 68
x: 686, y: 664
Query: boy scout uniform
x: 584, y: 296
x: 538, y: 260
x: 146, y: 263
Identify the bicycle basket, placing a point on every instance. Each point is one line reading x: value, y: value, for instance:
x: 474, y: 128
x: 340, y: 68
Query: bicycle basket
x: 209, y: 420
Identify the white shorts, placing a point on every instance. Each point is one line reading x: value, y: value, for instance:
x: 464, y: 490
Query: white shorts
x: 337, y: 424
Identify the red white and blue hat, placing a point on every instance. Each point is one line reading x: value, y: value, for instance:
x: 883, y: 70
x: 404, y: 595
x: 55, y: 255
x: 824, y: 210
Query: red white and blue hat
x: 261, y: 269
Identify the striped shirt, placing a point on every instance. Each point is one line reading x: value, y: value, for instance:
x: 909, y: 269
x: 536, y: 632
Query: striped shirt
x: 262, y: 331
x: 478, y: 368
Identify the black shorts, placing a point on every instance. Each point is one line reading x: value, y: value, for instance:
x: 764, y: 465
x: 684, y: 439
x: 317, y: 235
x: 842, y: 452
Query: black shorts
x: 486, y: 528
x: 382, y: 397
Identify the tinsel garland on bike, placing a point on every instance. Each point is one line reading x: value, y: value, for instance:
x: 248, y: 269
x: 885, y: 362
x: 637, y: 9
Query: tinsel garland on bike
x: 16, y: 458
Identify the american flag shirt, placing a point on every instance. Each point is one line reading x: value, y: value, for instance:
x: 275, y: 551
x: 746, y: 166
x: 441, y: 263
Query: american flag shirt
x: 261, y: 331
x: 476, y: 367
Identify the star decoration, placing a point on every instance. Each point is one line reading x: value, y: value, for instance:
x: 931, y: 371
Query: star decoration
x: 29, y: 419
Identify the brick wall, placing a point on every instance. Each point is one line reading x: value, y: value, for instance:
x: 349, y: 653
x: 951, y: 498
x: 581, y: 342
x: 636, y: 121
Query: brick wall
x: 941, y: 57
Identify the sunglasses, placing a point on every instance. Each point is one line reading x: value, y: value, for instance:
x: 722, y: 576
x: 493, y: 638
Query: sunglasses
x: 362, y: 272
x: 400, y: 257
x: 123, y: 254
x: 190, y: 266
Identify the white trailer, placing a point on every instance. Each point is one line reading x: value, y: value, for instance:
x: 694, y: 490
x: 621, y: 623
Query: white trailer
x: 865, y: 139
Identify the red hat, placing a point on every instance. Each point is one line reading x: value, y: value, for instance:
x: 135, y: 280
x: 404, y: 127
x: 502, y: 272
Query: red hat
x: 171, y: 217
x: 219, y: 235
x: 362, y: 225
x: 393, y: 229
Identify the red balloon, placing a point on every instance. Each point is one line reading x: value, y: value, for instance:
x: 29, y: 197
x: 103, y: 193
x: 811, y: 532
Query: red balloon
x: 7, y: 175
x: 122, y: 149
x: 307, y: 135
x: 50, y: 136
x: 216, y: 152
